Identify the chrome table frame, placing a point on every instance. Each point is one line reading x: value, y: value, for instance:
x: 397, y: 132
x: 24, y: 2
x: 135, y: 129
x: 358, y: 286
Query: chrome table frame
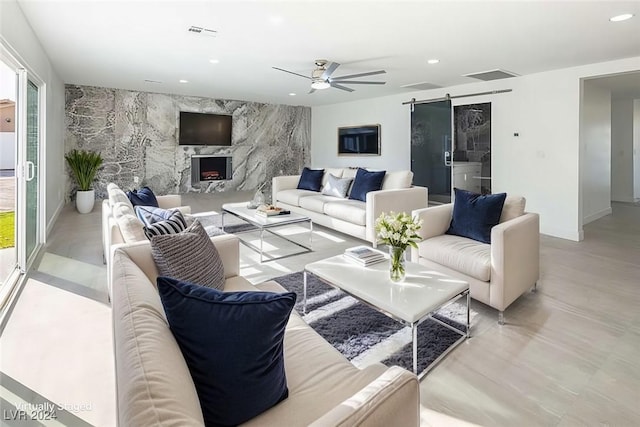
x: 266, y: 226
x: 414, y: 325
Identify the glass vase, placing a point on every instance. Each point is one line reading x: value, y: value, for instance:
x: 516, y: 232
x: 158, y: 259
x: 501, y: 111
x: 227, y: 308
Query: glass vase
x: 396, y: 263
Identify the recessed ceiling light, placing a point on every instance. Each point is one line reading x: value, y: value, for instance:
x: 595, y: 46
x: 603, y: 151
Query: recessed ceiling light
x: 214, y: 61
x: 184, y: 81
x: 622, y: 17
x: 433, y: 61
x: 276, y: 19
x: 292, y: 94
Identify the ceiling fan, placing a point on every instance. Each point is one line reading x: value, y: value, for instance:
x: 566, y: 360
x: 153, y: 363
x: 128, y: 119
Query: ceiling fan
x: 321, y: 77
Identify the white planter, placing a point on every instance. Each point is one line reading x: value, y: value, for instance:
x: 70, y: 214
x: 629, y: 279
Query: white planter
x: 85, y: 201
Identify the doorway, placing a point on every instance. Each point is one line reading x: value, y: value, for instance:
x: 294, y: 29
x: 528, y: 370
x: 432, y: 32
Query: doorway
x: 431, y: 154
x: 440, y: 162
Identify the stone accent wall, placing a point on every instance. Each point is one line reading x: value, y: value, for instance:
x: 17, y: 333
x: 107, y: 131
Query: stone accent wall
x: 137, y: 135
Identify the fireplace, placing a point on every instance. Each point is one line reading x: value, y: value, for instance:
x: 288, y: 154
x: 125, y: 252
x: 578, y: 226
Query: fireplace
x: 210, y: 168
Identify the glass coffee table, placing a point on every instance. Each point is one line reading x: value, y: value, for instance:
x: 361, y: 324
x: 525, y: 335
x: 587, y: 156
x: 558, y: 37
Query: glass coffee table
x: 268, y: 224
x: 423, y: 292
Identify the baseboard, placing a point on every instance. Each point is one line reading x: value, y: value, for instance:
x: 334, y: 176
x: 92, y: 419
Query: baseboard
x: 596, y: 216
x: 623, y: 199
x: 575, y: 236
x: 54, y: 218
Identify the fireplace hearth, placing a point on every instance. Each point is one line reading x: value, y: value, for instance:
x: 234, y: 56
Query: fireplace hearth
x: 210, y: 168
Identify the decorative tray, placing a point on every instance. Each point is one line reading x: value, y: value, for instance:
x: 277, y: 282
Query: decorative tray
x: 270, y: 210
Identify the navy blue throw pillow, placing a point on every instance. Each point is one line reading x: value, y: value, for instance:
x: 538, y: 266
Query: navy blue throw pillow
x: 233, y: 345
x: 364, y: 182
x: 142, y: 197
x: 474, y: 215
x: 311, y: 179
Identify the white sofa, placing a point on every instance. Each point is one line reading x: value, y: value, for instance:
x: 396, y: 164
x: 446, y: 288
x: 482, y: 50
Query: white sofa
x: 352, y: 217
x: 154, y: 386
x: 125, y: 227
x: 498, y: 273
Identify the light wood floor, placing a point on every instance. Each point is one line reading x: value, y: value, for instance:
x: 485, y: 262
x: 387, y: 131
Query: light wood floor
x: 566, y: 355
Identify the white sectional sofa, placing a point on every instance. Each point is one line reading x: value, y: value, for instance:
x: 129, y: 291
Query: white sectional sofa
x: 352, y: 217
x: 154, y: 386
x: 121, y: 225
x: 126, y: 227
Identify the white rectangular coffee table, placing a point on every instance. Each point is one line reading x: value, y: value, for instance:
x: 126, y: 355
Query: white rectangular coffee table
x: 411, y: 302
x: 240, y: 210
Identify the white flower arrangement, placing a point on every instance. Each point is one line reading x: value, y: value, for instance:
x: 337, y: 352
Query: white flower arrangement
x: 398, y: 230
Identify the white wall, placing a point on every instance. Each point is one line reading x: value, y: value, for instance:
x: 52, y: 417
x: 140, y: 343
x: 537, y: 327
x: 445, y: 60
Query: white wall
x: 636, y: 149
x: 17, y: 36
x: 542, y: 164
x: 7, y: 82
x: 595, y: 151
x: 622, y: 150
x: 395, y: 129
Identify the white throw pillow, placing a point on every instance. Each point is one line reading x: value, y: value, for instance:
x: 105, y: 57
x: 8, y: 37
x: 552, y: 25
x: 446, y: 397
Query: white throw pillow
x: 337, y: 187
x: 130, y: 226
x: 116, y: 195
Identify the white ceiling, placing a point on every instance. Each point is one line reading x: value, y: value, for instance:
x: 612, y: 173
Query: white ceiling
x: 121, y: 43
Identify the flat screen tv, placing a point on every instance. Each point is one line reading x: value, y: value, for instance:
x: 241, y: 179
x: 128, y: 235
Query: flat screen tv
x: 204, y: 129
x: 359, y: 140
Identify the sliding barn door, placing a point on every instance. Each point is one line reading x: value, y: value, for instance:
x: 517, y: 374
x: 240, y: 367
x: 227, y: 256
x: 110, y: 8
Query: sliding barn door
x: 431, y: 152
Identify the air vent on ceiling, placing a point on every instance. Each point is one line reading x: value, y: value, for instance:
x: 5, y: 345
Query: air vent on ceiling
x: 491, y: 75
x: 202, y: 31
x: 421, y: 86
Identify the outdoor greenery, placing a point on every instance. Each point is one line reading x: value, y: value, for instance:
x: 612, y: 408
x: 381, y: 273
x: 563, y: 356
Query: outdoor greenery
x: 84, y: 165
x: 7, y: 229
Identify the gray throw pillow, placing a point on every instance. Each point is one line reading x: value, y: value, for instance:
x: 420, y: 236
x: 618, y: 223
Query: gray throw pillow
x: 337, y: 187
x: 189, y: 256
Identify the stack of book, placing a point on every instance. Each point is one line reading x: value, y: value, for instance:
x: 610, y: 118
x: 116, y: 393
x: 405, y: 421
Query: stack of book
x: 272, y: 212
x: 364, y: 255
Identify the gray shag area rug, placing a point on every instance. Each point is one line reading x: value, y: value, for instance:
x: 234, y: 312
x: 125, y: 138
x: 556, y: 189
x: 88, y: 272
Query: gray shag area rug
x: 362, y: 334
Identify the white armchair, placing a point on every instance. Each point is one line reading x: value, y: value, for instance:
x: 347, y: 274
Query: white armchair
x: 498, y: 273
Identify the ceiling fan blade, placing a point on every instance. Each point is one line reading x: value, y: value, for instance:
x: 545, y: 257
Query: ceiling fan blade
x: 311, y: 91
x: 353, y: 76
x: 339, y: 86
x: 291, y: 72
x: 330, y: 70
x: 356, y: 82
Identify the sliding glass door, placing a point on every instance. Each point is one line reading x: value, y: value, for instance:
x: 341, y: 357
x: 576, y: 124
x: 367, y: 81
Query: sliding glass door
x: 29, y: 137
x: 30, y: 175
x: 23, y: 169
x: 8, y: 176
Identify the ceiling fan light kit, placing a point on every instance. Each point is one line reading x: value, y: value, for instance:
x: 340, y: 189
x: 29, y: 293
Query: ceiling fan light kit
x: 321, y: 77
x: 320, y: 84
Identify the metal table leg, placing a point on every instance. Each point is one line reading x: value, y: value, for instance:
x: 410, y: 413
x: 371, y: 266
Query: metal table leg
x: 304, y: 292
x: 261, y: 240
x: 414, y: 339
x: 468, y: 316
